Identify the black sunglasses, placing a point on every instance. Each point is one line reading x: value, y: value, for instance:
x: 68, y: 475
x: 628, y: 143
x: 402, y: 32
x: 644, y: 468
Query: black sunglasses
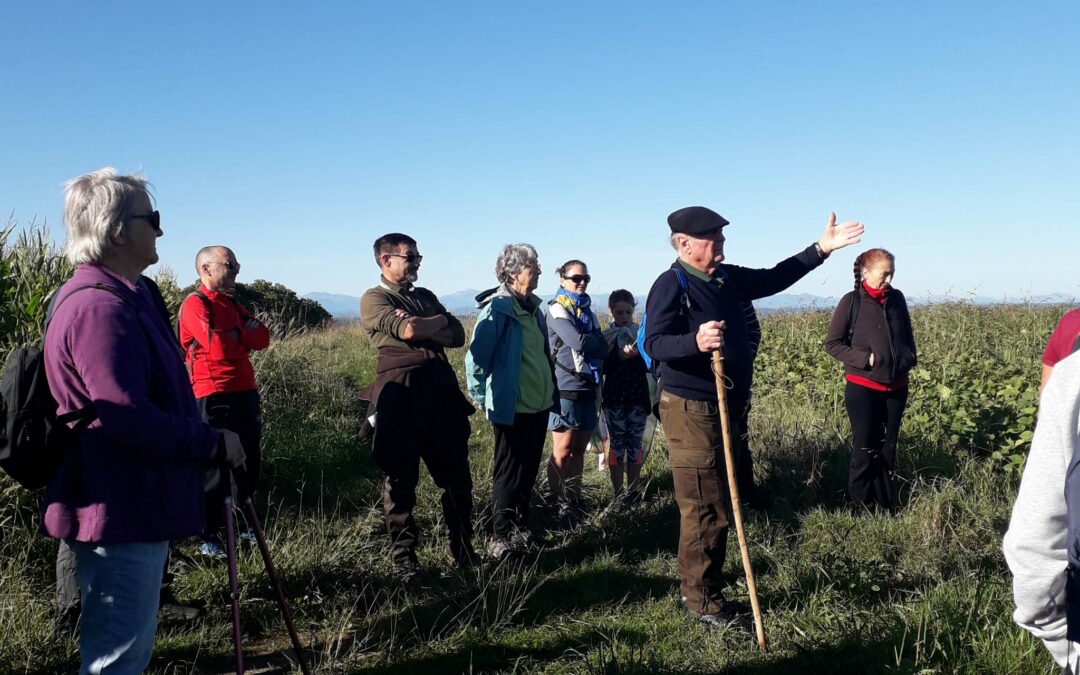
x: 410, y: 258
x: 579, y: 278
x: 229, y: 265
x: 154, y: 217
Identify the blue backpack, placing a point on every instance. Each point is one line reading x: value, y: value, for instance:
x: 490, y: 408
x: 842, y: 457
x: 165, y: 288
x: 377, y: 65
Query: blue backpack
x: 684, y: 304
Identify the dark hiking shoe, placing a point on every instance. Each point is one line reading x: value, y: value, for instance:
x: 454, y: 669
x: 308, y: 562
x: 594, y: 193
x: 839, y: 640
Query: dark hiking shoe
x: 212, y: 549
x: 408, y: 571
x: 731, y: 615
x: 174, y: 611
x: 171, y: 609
x: 523, y: 540
x: 67, y: 622
x: 499, y: 548
x: 570, y: 515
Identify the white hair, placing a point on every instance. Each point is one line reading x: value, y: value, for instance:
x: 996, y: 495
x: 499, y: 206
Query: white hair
x: 674, y: 240
x: 512, y: 260
x: 95, y: 206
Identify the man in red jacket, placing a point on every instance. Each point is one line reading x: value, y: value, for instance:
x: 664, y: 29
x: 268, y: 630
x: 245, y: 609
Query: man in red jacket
x: 217, y: 333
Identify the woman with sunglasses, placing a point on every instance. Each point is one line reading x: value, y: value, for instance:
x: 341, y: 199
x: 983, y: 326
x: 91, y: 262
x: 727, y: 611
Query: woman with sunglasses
x: 134, y: 481
x: 578, y: 349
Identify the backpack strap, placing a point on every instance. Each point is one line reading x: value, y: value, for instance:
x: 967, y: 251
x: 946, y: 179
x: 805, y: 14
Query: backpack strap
x: 557, y: 344
x: 209, y: 321
x: 86, y: 414
x: 58, y: 300
x: 684, y: 285
x: 853, y: 315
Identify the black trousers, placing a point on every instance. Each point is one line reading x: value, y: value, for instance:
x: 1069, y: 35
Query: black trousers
x: 441, y: 439
x: 239, y: 412
x: 875, y: 427
x: 519, y: 447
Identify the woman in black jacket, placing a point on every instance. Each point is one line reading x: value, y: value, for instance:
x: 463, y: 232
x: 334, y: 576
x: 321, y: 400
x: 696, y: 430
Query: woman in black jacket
x: 870, y: 333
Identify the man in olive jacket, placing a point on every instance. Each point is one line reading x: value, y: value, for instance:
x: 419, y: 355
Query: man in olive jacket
x: 418, y: 408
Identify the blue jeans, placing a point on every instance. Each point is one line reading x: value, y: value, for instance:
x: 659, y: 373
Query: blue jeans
x: 119, y: 585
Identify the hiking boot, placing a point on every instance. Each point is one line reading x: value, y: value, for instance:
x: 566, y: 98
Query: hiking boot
x: 212, y: 549
x: 171, y: 609
x: 524, y: 539
x: 499, y: 548
x: 570, y: 515
x: 408, y: 573
x: 174, y: 611
x: 732, y: 614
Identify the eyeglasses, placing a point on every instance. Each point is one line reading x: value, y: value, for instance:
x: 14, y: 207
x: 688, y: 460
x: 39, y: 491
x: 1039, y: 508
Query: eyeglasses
x: 579, y: 278
x: 154, y: 217
x: 229, y: 265
x: 409, y: 258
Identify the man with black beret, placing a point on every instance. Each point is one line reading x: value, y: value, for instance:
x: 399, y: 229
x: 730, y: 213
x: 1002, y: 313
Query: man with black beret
x: 694, y: 308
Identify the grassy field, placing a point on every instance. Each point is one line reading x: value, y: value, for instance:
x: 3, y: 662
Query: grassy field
x: 925, y: 591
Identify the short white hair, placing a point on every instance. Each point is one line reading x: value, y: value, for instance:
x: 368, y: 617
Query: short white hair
x: 674, y: 240
x: 95, y: 208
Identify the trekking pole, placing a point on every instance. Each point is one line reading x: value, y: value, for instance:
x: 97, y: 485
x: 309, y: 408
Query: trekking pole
x: 733, y: 487
x: 234, y: 582
x: 271, y: 571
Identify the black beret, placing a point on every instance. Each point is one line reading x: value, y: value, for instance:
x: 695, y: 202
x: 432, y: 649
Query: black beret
x: 695, y: 220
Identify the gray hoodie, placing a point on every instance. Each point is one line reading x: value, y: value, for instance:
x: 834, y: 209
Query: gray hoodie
x: 1035, y: 544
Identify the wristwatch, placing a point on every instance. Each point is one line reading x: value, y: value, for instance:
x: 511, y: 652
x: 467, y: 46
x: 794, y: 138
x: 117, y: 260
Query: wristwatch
x: 821, y: 253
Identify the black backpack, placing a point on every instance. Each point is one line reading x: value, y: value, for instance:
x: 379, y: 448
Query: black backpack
x: 34, y: 441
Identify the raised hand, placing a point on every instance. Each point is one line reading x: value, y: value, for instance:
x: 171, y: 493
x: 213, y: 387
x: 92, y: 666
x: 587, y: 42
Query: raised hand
x: 839, y: 235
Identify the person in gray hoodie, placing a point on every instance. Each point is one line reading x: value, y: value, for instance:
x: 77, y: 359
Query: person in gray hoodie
x: 1036, y: 542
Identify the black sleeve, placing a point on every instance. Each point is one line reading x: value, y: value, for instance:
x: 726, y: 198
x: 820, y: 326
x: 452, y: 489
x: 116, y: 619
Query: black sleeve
x: 753, y: 284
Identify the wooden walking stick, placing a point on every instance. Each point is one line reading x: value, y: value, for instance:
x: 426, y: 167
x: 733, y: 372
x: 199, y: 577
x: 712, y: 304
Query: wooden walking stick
x: 733, y: 487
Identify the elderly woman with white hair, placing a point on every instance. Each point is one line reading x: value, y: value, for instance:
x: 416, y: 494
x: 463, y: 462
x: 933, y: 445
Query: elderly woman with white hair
x: 511, y: 377
x: 135, y: 480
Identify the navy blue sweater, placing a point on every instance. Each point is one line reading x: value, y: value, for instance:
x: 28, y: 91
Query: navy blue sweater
x: 671, y: 333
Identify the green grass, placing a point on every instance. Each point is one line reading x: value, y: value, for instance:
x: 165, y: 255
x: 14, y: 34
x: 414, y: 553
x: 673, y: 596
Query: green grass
x: 925, y: 591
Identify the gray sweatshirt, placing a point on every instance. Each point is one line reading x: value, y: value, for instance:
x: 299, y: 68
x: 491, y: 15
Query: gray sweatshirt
x: 1035, y: 544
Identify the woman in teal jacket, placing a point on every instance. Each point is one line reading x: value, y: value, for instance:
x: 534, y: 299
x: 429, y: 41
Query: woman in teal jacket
x: 511, y: 377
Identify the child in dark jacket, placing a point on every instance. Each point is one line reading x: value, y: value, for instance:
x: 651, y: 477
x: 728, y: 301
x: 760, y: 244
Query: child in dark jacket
x: 625, y: 396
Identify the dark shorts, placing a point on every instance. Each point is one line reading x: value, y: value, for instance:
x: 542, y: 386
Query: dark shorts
x: 626, y: 426
x: 576, y: 415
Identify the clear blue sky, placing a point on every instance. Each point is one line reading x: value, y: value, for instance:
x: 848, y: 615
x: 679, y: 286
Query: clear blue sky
x: 297, y: 133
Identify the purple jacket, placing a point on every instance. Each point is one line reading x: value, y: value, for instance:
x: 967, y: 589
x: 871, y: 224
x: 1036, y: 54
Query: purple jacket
x: 138, y: 474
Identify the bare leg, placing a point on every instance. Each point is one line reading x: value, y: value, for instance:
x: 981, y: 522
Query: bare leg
x: 558, y: 464
x: 633, y: 473
x: 616, y: 471
x: 575, y: 465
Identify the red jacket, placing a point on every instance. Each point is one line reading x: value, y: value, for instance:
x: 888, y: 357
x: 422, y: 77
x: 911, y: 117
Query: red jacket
x: 217, y: 346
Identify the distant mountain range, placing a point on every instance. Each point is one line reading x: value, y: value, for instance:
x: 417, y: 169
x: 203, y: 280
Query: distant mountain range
x: 464, y: 302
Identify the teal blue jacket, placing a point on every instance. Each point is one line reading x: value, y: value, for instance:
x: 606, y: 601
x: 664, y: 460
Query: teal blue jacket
x: 493, y: 362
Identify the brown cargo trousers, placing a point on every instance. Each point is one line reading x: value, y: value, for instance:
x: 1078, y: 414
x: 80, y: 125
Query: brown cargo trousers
x: 696, y: 452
